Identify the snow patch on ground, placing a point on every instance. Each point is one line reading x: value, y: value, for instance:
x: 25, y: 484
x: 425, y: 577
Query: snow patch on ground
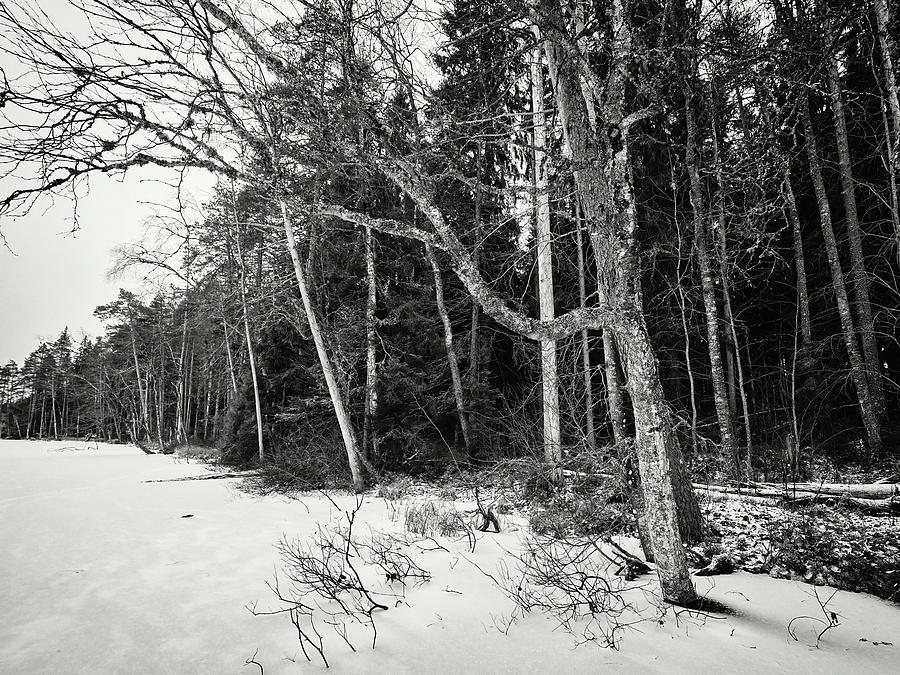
x: 101, y: 573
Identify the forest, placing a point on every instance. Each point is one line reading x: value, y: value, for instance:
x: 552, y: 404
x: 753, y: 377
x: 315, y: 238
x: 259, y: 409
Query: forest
x: 656, y: 240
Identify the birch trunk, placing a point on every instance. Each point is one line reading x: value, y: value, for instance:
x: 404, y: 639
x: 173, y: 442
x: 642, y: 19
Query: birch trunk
x: 251, y: 355
x: 544, y: 248
x: 857, y: 365
x: 142, y: 391
x: 799, y: 259
x: 858, y: 277
x: 733, y: 344
x: 474, y: 364
x: 717, y: 373
x: 371, y: 364
x: 453, y: 362
x: 180, y: 433
x: 354, y: 456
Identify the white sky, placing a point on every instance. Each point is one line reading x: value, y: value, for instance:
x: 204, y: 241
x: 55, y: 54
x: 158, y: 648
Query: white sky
x: 52, y: 278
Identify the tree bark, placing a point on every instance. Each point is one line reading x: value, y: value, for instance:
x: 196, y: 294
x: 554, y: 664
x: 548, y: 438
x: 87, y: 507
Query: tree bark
x: 603, y: 181
x: 452, y: 361
x: 717, y: 373
x: 544, y: 250
x: 590, y: 433
x: 857, y: 365
x: 142, y: 392
x: 354, y: 456
x: 799, y: 258
x: 733, y: 345
x: 614, y: 399
x: 248, y: 336
x: 858, y: 276
x: 371, y: 364
x: 885, y: 44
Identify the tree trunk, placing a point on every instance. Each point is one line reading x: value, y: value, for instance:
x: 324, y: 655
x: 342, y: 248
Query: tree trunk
x: 371, y: 365
x: 590, y: 434
x: 142, y: 390
x: 717, y: 373
x: 690, y: 369
x: 857, y: 366
x: 603, y: 180
x: 885, y: 44
x: 858, y: 276
x: 354, y: 456
x: 733, y: 344
x: 474, y: 364
x: 181, y: 394
x: 251, y: 355
x: 228, y: 354
x: 448, y: 344
x: 799, y: 258
x: 614, y: 400
x: 544, y: 249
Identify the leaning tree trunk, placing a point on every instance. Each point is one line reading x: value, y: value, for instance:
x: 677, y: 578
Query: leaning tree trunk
x: 452, y: 361
x: 857, y: 365
x: 858, y: 276
x: 544, y: 248
x: 248, y: 336
x: 354, y: 457
x: 717, y: 372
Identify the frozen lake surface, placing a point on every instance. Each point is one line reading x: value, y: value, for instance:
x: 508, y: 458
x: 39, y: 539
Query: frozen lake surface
x: 101, y: 573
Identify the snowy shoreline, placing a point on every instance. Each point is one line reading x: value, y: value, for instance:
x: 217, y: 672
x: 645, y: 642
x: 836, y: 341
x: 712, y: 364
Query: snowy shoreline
x: 104, y: 573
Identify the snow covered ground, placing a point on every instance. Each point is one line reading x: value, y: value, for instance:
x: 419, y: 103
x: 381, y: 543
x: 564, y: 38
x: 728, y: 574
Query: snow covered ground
x: 101, y: 573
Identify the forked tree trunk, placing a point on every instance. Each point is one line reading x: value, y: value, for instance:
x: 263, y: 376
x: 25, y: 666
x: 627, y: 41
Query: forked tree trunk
x: 606, y: 195
x: 858, y: 277
x: 717, y: 372
x: 857, y: 365
x: 354, y: 456
x: 544, y: 250
x: 452, y: 361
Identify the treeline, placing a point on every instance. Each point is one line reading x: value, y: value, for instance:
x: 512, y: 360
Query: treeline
x: 765, y: 185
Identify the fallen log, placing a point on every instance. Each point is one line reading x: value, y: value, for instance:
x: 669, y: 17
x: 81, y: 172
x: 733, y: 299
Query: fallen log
x: 211, y: 476
x: 873, y: 507
x: 862, y: 490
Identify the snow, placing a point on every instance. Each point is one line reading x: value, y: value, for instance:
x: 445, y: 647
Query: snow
x: 100, y: 572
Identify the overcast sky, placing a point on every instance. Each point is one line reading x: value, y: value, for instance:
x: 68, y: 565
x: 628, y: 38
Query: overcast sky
x: 52, y: 278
